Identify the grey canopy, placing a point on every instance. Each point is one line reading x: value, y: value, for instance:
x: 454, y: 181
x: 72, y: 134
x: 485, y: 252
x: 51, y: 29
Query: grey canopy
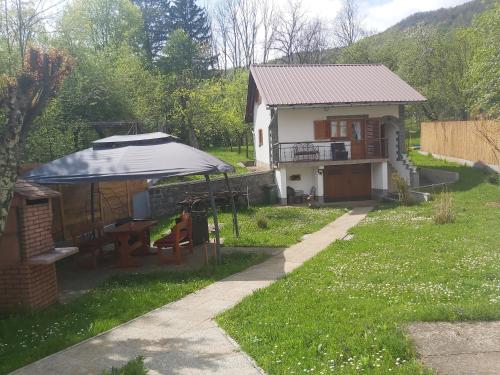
x: 126, y: 157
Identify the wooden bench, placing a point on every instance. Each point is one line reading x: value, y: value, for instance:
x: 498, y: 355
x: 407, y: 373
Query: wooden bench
x: 90, y: 239
x: 305, y: 152
x: 181, y: 235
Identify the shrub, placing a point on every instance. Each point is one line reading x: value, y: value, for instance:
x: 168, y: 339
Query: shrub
x: 494, y: 178
x: 134, y: 367
x: 402, y: 188
x: 443, y: 208
x: 262, y: 221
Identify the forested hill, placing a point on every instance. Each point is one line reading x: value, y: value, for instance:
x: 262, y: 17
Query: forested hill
x: 455, y: 67
x: 447, y: 18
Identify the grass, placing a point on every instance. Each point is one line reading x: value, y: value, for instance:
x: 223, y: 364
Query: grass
x: 345, y: 310
x: 285, y: 225
x: 27, y: 337
x: 223, y: 153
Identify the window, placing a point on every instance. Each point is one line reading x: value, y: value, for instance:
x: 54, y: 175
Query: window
x: 343, y: 128
x: 295, y: 177
x: 258, y: 99
x: 338, y: 128
x: 334, y: 128
x: 261, y: 137
x: 356, y: 130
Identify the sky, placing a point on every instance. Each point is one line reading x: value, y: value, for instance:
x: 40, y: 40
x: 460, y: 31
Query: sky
x: 378, y: 14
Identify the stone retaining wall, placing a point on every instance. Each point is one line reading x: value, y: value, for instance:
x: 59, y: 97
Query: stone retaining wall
x: 438, y: 176
x: 163, y: 198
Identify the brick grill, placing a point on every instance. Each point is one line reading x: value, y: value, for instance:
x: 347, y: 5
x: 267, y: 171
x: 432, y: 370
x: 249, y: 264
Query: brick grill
x: 28, y: 233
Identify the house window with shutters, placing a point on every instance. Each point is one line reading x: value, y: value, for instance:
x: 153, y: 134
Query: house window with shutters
x: 261, y: 137
x: 338, y: 128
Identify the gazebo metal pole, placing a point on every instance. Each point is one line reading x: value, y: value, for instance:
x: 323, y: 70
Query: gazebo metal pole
x: 236, y: 230
x: 216, y: 219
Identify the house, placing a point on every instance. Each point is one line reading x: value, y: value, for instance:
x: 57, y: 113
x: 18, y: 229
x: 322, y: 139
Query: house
x: 332, y: 131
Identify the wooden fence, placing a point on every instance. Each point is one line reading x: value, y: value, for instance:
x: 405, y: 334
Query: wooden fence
x: 475, y: 141
x: 113, y: 200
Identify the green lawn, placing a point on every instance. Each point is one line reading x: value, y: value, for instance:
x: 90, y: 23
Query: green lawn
x: 345, y: 310
x: 25, y: 338
x: 223, y: 153
x: 286, y: 225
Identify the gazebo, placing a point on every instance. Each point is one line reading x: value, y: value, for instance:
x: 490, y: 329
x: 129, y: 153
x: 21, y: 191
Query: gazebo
x: 141, y: 156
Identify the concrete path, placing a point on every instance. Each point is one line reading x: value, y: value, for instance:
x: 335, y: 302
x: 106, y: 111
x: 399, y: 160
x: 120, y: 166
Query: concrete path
x: 458, y: 348
x: 181, y: 338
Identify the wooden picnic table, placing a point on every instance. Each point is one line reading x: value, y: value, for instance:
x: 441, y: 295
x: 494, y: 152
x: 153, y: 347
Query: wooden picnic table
x: 124, y: 234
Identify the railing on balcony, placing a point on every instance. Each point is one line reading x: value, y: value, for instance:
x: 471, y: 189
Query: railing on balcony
x: 330, y: 150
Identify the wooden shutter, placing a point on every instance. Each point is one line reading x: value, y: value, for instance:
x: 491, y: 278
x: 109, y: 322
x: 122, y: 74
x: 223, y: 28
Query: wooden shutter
x: 373, y: 128
x: 321, y: 129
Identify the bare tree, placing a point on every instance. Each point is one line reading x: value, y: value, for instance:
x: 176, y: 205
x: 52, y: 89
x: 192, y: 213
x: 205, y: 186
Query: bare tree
x: 269, y: 16
x: 348, y: 27
x: 291, y: 23
x: 221, y: 31
x: 248, y: 24
x: 22, y: 22
x: 311, y: 43
x: 234, y: 43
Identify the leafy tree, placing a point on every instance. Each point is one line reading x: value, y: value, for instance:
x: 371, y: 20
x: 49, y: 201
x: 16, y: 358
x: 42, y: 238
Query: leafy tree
x: 101, y: 24
x: 435, y: 63
x: 186, y: 62
x: 188, y: 16
x: 22, y: 99
x: 156, y: 16
x: 184, y: 54
x: 483, y: 73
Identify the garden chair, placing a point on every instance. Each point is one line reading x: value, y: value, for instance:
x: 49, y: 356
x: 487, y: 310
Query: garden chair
x: 339, y: 151
x: 180, y: 236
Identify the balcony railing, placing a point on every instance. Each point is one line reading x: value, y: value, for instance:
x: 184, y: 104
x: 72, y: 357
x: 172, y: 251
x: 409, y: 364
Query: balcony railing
x: 330, y: 151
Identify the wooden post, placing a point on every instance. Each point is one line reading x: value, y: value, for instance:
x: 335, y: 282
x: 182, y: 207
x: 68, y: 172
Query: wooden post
x: 129, y: 208
x: 216, y: 219
x: 236, y: 230
x: 92, y: 204
x: 101, y: 208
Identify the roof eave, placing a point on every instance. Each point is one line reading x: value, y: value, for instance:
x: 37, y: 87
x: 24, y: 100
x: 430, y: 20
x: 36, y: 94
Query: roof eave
x: 347, y: 104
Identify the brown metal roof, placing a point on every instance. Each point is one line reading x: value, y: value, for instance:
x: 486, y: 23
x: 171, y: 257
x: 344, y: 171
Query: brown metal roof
x: 281, y: 85
x: 30, y: 190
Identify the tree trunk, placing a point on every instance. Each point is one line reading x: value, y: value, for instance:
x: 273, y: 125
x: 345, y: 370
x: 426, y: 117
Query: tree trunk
x: 9, y: 158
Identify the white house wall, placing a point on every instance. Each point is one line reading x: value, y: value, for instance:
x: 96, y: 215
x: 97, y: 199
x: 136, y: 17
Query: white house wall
x: 262, y: 119
x: 307, y: 178
x: 297, y: 124
x: 380, y: 178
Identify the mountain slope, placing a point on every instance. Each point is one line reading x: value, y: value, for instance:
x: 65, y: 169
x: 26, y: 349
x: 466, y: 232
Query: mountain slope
x: 448, y: 18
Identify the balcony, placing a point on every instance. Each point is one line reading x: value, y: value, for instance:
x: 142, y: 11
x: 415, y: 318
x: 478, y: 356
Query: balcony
x: 341, y: 151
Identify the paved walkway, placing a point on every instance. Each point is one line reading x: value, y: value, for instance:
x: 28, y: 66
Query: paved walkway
x: 181, y: 338
x: 458, y: 348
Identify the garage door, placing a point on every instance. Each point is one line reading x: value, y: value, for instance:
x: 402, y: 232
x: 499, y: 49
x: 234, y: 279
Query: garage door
x: 344, y: 182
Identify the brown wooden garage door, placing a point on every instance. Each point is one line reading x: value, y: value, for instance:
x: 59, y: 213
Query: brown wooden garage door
x: 343, y: 182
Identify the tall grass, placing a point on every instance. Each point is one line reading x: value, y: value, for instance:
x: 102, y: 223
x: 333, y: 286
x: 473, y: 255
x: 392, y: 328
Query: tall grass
x: 443, y: 208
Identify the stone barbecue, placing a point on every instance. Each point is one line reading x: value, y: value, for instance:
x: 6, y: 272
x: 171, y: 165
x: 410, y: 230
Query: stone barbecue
x: 27, y: 254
